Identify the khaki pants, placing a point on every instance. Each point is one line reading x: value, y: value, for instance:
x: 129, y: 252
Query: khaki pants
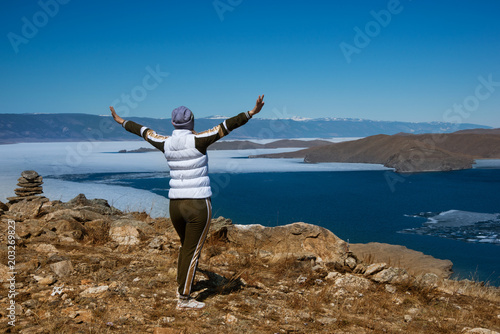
x: 191, y: 219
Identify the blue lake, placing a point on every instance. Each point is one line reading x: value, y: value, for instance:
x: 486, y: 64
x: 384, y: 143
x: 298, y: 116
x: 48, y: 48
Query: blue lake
x: 359, y: 206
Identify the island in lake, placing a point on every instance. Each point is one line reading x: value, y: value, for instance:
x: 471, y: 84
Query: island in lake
x: 407, y: 152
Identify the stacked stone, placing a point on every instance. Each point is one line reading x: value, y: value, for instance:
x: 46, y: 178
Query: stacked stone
x: 30, y: 187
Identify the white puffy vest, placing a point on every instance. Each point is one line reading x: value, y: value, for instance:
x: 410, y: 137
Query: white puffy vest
x: 188, y: 167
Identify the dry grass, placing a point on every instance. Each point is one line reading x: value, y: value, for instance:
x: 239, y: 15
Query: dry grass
x: 246, y: 291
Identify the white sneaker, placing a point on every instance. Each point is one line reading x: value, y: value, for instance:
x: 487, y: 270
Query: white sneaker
x: 189, y: 304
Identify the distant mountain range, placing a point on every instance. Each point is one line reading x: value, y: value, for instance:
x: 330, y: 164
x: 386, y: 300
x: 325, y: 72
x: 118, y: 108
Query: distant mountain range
x: 17, y: 128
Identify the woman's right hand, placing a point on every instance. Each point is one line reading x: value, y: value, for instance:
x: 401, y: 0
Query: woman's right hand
x: 117, y: 118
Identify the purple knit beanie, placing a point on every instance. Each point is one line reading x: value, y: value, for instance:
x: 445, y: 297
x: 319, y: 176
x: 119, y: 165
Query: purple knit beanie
x: 183, y: 118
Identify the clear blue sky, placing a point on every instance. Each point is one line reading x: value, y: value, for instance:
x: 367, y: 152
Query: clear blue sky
x: 308, y: 57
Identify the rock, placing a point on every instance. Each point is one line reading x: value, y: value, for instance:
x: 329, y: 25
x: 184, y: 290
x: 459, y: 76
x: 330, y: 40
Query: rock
x: 27, y: 184
x: 28, y: 266
x: 125, y: 235
x: 327, y: 320
x: 73, y: 215
x: 390, y: 288
x: 62, y: 268
x: 352, y: 282
x: 98, y: 224
x: 332, y: 275
x: 80, y: 200
x: 26, y: 209
x: 138, y: 224
x: 95, y: 290
x: 429, y: 280
x: 375, y: 268
x: 97, y: 205
x: 351, y: 262
x: 29, y: 175
x: 297, y: 240
x: 71, y: 236
x: 156, y: 243
x: 16, y: 199
x: 230, y: 319
x: 391, y: 275
x: 56, y: 258
x: 413, y: 311
x: 413, y: 261
x: 467, y: 330
x: 84, y: 316
x: 66, y: 225
x: 31, y: 189
x: 45, y: 280
x: 3, y: 206
x: 219, y: 224
x: 159, y: 330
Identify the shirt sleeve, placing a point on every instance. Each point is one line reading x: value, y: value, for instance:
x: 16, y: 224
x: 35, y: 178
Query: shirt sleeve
x: 158, y: 141
x: 206, y: 138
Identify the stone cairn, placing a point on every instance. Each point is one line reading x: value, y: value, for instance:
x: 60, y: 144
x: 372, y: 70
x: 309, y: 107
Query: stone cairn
x: 30, y: 187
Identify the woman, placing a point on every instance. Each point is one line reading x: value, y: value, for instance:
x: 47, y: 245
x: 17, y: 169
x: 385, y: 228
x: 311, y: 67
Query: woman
x: 190, y: 191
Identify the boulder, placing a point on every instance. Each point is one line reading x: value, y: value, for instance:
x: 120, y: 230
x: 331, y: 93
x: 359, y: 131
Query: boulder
x: 125, y: 235
x: 97, y: 205
x: 391, y: 275
x: 375, y: 268
x: 62, y: 268
x: 26, y: 209
x: 45, y: 280
x: 138, y: 224
x: 352, y: 282
x: 299, y: 240
x: 428, y: 280
x: 478, y: 331
x: 44, y: 248
x: 73, y: 215
x: 61, y: 226
x: 95, y: 290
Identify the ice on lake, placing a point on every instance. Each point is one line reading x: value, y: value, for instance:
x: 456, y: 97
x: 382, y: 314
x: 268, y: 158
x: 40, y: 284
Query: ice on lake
x: 52, y: 160
x: 460, y: 225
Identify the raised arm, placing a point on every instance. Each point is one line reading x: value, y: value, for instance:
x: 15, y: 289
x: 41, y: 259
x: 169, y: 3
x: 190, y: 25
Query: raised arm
x: 158, y: 141
x: 207, y: 138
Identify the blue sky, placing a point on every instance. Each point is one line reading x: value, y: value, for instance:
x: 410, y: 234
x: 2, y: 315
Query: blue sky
x: 382, y: 60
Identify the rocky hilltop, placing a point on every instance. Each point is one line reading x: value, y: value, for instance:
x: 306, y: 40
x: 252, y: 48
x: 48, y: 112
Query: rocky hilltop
x: 407, y: 152
x: 85, y: 267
